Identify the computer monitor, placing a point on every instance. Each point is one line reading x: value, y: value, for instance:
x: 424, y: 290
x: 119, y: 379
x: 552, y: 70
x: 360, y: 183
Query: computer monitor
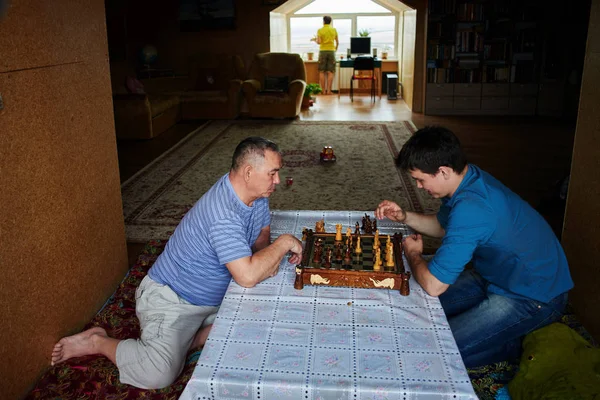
x: 360, y: 45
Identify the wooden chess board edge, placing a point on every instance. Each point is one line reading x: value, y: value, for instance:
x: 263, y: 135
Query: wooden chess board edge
x: 348, y: 278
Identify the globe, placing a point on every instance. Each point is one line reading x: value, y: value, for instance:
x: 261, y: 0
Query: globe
x: 148, y: 55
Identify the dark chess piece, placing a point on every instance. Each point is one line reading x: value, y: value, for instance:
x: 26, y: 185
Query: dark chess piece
x: 404, y: 286
x: 364, y: 222
x: 338, y: 252
x: 368, y: 227
x: 348, y: 256
x: 298, y: 282
x: 328, y: 255
x: 356, y: 230
x: 318, y: 251
x: 317, y: 255
x: 374, y: 225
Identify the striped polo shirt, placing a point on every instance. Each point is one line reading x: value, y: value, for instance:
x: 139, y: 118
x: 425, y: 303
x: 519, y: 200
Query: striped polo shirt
x: 219, y: 229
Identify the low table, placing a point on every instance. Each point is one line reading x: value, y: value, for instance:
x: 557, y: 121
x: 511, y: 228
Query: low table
x: 276, y: 342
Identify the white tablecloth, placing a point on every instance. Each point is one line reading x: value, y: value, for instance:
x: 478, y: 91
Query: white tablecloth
x: 275, y: 342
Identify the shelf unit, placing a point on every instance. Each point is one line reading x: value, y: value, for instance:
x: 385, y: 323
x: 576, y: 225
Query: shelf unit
x: 482, y: 58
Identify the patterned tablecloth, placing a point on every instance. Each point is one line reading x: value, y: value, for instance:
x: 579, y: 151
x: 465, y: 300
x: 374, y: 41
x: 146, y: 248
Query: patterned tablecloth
x: 275, y: 342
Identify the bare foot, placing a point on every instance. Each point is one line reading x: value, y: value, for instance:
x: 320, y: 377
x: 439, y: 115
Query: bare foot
x: 81, y: 344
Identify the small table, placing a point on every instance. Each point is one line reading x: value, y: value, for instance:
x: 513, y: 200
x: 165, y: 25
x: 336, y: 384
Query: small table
x: 275, y: 342
x: 350, y: 64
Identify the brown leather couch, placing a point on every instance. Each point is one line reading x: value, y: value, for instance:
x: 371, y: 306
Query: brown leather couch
x: 211, y: 91
x: 280, y: 102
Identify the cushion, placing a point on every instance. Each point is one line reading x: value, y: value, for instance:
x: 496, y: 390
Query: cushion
x: 209, y: 79
x: 134, y: 85
x: 276, y: 83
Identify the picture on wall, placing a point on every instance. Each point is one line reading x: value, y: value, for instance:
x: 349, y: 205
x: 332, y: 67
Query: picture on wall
x: 198, y: 15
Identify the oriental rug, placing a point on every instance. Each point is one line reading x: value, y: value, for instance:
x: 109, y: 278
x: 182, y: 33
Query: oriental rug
x: 157, y: 197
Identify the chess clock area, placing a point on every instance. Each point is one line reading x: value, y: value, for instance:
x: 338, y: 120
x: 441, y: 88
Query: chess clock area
x: 360, y: 259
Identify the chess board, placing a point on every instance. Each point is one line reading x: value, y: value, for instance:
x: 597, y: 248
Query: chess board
x: 358, y: 271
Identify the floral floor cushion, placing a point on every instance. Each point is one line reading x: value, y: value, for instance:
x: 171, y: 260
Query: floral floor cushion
x: 95, y: 377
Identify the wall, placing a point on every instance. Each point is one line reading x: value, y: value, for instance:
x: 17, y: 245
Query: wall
x: 62, y: 240
x: 582, y: 216
x: 408, y: 60
x: 156, y: 22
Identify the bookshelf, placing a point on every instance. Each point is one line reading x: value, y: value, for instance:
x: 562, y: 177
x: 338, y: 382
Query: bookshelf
x: 483, y: 57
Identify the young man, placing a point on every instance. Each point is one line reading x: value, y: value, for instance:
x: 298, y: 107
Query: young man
x: 328, y: 41
x: 520, y: 276
x: 225, y: 235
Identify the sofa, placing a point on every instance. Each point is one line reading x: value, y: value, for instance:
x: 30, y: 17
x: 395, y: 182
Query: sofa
x: 145, y: 108
x: 275, y: 85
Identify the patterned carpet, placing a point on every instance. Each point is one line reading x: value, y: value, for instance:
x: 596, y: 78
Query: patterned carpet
x: 155, y: 199
x: 95, y: 377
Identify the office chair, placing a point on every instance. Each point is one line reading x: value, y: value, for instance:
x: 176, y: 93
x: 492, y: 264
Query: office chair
x: 363, y: 65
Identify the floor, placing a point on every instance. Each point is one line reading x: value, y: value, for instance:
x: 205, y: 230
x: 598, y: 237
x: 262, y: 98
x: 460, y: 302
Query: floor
x: 530, y: 155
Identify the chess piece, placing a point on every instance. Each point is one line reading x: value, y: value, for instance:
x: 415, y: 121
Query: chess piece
x: 338, y: 252
x: 389, y: 255
x: 318, y: 251
x: 404, y: 286
x: 368, y: 226
x: 376, y: 243
x: 320, y: 226
x: 304, y: 231
x: 358, y: 249
x: 377, y: 260
x: 364, y: 222
x: 338, y: 232
x: 348, y: 256
x: 356, y: 229
x: 374, y: 224
x: 389, y: 241
x: 328, y: 252
x: 348, y: 234
x: 298, y: 282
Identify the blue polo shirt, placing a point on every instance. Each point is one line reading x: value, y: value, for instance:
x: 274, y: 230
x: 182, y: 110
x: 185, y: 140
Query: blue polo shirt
x: 219, y: 229
x: 510, y: 244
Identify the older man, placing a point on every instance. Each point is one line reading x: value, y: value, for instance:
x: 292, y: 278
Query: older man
x: 225, y: 235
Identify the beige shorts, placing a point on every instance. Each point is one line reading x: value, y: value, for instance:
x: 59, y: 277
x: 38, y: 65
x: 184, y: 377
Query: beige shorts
x: 326, y: 61
x: 168, y: 324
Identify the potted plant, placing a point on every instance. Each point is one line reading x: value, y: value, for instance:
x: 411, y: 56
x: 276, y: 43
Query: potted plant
x: 311, y: 89
x: 384, y: 53
x: 364, y: 32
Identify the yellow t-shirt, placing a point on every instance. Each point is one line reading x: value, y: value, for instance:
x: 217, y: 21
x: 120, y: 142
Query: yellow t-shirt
x: 327, y: 34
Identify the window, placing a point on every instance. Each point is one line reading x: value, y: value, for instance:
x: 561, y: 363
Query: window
x: 381, y: 29
x: 349, y: 16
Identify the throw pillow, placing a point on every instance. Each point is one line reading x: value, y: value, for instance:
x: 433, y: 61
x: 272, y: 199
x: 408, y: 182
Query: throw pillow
x: 134, y: 86
x: 276, y: 84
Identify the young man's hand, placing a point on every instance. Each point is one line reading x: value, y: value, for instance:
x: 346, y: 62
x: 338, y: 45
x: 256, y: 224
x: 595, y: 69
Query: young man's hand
x: 389, y: 209
x: 413, y: 245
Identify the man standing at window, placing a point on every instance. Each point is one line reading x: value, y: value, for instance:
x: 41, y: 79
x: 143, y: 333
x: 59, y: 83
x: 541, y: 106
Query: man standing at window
x: 328, y: 41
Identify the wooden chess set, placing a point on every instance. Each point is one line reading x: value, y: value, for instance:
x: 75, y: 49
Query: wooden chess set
x: 361, y: 259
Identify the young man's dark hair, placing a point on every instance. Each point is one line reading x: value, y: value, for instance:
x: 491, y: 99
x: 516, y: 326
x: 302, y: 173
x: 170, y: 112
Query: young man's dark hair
x: 431, y: 148
x: 327, y: 19
x: 252, y: 146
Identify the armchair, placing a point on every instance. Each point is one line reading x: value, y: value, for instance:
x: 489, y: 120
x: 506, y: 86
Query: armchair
x: 275, y: 85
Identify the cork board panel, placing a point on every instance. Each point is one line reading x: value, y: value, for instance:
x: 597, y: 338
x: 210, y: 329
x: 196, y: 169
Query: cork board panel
x: 582, y: 217
x: 30, y: 30
x: 61, y: 226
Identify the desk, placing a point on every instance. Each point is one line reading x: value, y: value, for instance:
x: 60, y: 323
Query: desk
x: 350, y: 64
x: 275, y: 342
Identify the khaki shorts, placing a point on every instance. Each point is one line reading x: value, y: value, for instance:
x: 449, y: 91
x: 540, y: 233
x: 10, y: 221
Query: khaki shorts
x: 168, y: 324
x: 326, y: 61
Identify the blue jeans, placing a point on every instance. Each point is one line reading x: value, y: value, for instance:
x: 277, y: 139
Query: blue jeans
x: 489, y: 327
